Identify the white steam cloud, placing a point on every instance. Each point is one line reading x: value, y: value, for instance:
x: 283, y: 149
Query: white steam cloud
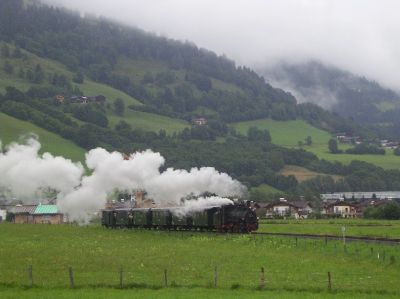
x: 24, y: 172
x: 202, y: 203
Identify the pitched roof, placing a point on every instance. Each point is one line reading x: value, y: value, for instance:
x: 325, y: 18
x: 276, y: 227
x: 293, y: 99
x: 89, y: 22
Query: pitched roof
x: 301, y: 204
x: 22, y: 209
x: 46, y: 209
x: 341, y: 203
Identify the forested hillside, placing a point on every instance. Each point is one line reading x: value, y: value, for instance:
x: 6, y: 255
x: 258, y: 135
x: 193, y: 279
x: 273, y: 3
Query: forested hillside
x: 98, y: 83
x: 173, y: 78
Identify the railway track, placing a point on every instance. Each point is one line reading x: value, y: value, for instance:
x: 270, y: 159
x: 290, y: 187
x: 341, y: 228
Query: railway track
x: 333, y: 237
x: 302, y: 236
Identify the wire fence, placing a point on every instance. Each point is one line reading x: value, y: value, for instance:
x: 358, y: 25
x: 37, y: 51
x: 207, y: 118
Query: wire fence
x: 216, y: 277
x: 377, y: 267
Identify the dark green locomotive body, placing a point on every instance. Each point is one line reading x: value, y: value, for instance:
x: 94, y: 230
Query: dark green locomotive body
x: 228, y: 218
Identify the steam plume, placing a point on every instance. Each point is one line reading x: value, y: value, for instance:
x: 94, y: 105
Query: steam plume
x: 25, y: 172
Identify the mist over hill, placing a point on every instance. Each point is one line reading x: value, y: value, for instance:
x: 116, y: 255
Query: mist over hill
x: 349, y: 95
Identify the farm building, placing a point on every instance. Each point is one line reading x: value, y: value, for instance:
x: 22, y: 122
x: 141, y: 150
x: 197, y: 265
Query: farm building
x: 201, y: 121
x: 48, y: 214
x: 35, y: 214
x: 86, y: 100
x: 21, y: 214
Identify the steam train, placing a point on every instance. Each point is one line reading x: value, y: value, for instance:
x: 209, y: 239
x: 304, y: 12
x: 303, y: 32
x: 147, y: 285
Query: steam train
x: 228, y: 218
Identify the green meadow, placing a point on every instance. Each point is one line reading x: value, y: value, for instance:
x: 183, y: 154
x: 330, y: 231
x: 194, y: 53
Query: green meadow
x: 353, y: 227
x: 11, y: 129
x: 196, y: 265
x: 149, y: 122
x: 289, y: 133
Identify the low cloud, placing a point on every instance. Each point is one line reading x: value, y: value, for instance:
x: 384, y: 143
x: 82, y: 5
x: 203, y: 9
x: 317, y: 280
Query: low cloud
x: 356, y: 35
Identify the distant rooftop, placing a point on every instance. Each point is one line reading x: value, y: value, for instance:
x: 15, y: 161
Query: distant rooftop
x: 362, y: 195
x: 46, y: 209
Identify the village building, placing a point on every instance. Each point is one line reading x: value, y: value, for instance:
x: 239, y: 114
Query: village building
x: 284, y: 208
x: 21, y: 214
x: 343, y: 138
x: 35, y: 214
x: 47, y: 214
x: 340, y: 209
x: 389, y: 144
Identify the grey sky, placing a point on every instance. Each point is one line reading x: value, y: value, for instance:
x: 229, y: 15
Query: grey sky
x: 358, y: 35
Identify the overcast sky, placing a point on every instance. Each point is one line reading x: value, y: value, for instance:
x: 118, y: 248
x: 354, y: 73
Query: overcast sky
x: 358, y: 35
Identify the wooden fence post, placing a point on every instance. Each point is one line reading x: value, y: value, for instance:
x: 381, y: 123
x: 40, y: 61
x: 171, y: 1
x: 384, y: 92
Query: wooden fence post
x: 296, y: 241
x: 329, y: 281
x: 71, y: 277
x: 215, y: 277
x: 165, y: 278
x: 262, y: 278
x: 30, y: 275
x: 121, y: 277
x: 326, y: 240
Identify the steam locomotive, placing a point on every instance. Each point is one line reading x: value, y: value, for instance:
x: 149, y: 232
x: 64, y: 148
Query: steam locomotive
x: 228, y: 218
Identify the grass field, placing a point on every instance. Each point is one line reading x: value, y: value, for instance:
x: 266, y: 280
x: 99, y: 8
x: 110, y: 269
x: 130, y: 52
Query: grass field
x: 289, y: 133
x: 11, y: 129
x: 354, y: 227
x: 181, y: 293
x: 388, y: 161
x: 96, y: 256
x: 149, y: 121
x: 266, y: 189
x: 301, y: 173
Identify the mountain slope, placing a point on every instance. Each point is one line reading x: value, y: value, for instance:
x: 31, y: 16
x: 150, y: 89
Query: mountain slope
x: 340, y: 91
x: 163, y: 85
x: 169, y: 77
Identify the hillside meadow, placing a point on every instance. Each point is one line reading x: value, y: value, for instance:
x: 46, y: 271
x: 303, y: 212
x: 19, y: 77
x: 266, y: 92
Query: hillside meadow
x: 11, y: 129
x: 96, y: 256
x: 289, y: 133
x: 149, y: 122
x: 137, y: 119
